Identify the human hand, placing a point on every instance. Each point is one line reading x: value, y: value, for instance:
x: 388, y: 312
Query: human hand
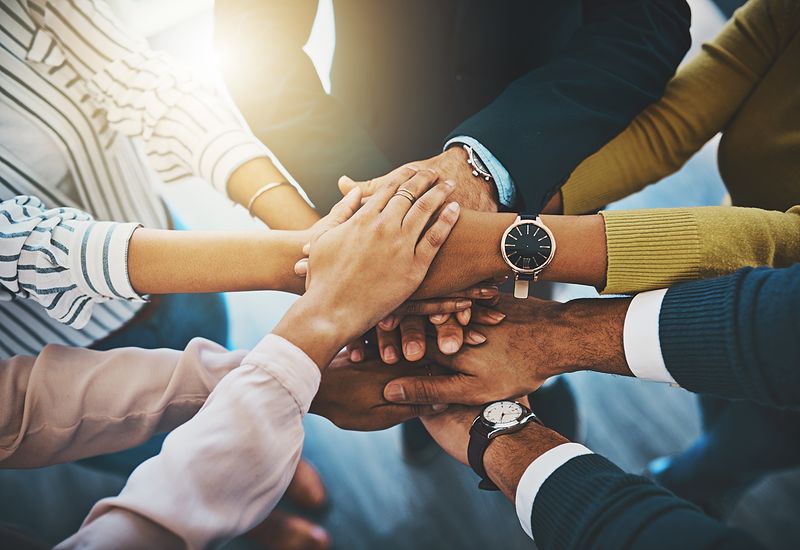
x: 368, y: 261
x: 403, y: 333
x: 471, y: 192
x: 538, y: 339
x: 351, y: 395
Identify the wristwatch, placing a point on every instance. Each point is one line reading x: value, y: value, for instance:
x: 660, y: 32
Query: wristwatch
x: 479, y: 169
x: 528, y: 246
x: 496, y: 419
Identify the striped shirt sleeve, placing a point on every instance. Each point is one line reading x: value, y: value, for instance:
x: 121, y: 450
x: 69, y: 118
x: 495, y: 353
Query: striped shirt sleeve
x: 188, y: 128
x: 62, y: 259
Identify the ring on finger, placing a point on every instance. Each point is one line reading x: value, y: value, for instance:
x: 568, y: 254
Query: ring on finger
x: 406, y: 194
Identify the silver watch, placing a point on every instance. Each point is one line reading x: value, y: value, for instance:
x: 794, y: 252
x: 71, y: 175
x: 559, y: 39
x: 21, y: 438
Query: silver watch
x: 528, y: 246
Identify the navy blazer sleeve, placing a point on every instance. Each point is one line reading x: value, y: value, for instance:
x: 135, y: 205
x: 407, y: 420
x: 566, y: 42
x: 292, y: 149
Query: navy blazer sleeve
x: 590, y: 503
x: 736, y: 336
x: 618, y: 62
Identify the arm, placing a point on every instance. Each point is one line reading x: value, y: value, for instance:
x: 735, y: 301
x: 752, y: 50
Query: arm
x: 666, y: 134
x: 274, y: 83
x: 254, y: 415
x: 544, y: 124
x: 108, y: 409
x: 567, y: 497
x: 625, y: 251
x: 187, y: 127
x: 734, y: 336
x: 67, y: 262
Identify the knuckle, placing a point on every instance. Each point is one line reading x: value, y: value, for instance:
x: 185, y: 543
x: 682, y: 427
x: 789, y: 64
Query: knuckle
x: 423, y: 391
x: 434, y: 237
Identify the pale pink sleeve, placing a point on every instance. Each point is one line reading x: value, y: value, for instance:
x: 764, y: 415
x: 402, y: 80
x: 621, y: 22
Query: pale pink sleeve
x: 221, y: 473
x: 70, y: 403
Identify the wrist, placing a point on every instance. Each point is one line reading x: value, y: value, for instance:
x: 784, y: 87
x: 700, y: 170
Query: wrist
x: 581, y: 250
x: 313, y: 328
x: 508, y: 456
x: 594, y: 330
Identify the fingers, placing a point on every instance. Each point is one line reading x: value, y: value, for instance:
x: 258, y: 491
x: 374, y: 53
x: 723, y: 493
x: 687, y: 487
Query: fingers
x: 439, y: 318
x: 449, y: 336
x: 429, y: 390
x: 389, y: 345
x: 434, y: 306
x: 357, y: 350
x: 464, y: 316
x: 412, y: 336
x: 487, y: 316
x: 473, y: 337
x: 395, y: 179
x: 340, y: 213
x: 484, y: 291
x: 301, y: 267
x: 426, y: 206
x: 434, y: 238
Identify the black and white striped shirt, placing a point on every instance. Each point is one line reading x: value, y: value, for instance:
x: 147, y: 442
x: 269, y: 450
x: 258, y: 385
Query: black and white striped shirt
x: 121, y: 118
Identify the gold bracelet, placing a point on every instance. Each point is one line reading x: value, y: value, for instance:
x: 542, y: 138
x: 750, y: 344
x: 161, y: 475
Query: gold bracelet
x: 267, y: 187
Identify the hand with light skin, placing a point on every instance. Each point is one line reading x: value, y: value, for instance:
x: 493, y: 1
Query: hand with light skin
x: 538, y: 339
x: 351, y: 394
x: 367, y: 261
x: 507, y: 456
x: 472, y: 192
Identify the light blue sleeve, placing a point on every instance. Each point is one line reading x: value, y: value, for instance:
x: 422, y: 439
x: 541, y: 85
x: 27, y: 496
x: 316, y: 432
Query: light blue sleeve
x: 506, y: 191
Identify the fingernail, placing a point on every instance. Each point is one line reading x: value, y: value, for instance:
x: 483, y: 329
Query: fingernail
x: 412, y: 349
x: 395, y: 393
x: 439, y: 407
x: 389, y: 353
x: 463, y: 304
x: 450, y: 345
x: 301, y: 269
x: 450, y: 183
x: 453, y: 207
x: 497, y: 316
x: 477, y: 337
x: 387, y: 322
x: 438, y: 318
x: 489, y: 291
x: 465, y: 316
x: 352, y: 192
x: 356, y: 355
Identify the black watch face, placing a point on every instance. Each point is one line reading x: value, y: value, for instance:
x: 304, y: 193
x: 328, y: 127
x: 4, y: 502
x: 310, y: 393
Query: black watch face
x: 527, y: 246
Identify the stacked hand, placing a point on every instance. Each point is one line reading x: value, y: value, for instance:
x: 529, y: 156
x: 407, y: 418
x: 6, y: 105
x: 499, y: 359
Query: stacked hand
x: 472, y: 192
x: 365, y: 262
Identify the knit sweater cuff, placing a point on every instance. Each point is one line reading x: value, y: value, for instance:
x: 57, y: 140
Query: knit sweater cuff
x: 650, y: 249
x: 694, y: 328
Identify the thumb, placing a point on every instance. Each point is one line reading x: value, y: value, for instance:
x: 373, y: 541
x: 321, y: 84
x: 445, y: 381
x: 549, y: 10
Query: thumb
x: 340, y: 213
x: 347, y: 184
x: 426, y: 390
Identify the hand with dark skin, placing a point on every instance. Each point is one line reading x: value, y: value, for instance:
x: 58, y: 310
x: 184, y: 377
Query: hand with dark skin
x: 538, y: 339
x: 351, y: 394
x: 506, y: 458
x: 471, y: 192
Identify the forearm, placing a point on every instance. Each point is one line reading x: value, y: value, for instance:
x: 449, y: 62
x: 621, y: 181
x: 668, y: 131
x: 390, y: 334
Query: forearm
x: 39, y: 427
x: 279, y: 208
x: 472, y: 252
x: 168, y: 262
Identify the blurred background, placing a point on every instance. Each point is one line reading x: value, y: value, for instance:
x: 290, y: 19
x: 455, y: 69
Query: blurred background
x: 377, y: 500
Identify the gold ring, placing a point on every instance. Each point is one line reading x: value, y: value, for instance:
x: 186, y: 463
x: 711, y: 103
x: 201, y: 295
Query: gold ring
x: 406, y: 194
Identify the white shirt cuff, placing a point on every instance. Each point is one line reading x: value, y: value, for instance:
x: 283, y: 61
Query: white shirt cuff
x: 640, y: 338
x: 537, y: 473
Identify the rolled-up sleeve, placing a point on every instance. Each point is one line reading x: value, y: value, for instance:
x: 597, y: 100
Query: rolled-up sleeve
x: 62, y: 259
x: 221, y: 473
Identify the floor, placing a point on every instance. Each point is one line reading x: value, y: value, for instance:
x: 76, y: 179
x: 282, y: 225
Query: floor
x: 377, y: 501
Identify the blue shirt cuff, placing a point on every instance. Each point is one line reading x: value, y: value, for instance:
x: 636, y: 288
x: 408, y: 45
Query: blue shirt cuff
x: 506, y: 191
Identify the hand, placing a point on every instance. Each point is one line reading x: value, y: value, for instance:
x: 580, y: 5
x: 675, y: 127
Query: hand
x: 404, y: 331
x: 368, y: 261
x: 351, y: 395
x: 471, y: 192
x: 538, y: 339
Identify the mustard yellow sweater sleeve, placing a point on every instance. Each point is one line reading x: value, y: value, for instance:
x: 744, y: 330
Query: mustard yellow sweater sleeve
x: 656, y: 248
x: 697, y: 104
